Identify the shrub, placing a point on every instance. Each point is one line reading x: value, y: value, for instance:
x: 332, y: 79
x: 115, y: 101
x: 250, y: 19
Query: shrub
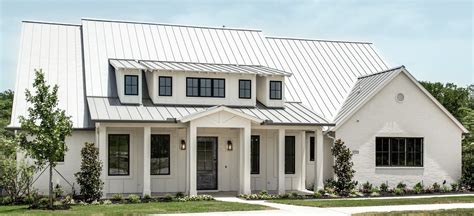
x: 179, y: 195
x: 117, y: 197
x: 132, y: 198
x: 89, y: 176
x: 398, y: 191
x: 343, y: 168
x: 58, y: 191
x: 263, y: 193
x: 168, y: 198
x: 7, y: 200
x: 402, y: 186
x: 203, y: 197
x: 106, y: 202
x: 418, y: 188
x: 454, y: 187
x: 317, y: 195
x: 147, y: 196
x: 436, y: 187
x: 384, y: 187
x: 366, y: 187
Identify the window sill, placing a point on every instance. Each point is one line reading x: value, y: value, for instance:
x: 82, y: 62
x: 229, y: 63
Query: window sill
x: 398, y: 167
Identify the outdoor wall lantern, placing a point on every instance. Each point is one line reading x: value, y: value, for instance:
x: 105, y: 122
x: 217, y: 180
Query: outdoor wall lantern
x: 229, y: 145
x: 183, y: 144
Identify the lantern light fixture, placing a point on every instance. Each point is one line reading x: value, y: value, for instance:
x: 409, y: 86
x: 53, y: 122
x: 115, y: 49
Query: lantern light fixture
x: 229, y: 145
x: 183, y: 144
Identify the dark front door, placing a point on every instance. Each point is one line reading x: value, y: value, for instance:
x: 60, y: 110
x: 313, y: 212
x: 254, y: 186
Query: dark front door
x: 207, y: 163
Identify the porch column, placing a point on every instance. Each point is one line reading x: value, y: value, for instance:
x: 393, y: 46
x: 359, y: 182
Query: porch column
x: 319, y: 179
x: 146, y: 160
x: 191, y: 159
x: 244, y: 153
x: 303, y: 161
x: 281, y: 161
x: 101, y: 142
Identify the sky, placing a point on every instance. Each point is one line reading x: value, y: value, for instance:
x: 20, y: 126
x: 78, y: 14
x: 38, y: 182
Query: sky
x: 432, y: 38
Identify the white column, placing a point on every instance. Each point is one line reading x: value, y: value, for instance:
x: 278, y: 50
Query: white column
x: 101, y: 142
x: 191, y: 159
x: 319, y: 179
x: 244, y: 156
x: 281, y: 161
x: 146, y: 160
x: 303, y: 161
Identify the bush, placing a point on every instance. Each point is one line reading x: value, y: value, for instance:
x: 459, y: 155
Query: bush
x: 89, y: 176
x: 6, y: 200
x: 454, y: 187
x: 343, y: 168
x: 147, y: 197
x: 203, y: 197
x: 132, y: 198
x: 179, y: 195
x: 418, y: 188
x: 58, y: 191
x: 436, y: 187
x: 402, y: 186
x: 168, y: 198
x: 398, y: 191
x: 317, y: 195
x: 117, y: 197
x: 366, y: 187
x: 263, y: 193
x: 384, y: 187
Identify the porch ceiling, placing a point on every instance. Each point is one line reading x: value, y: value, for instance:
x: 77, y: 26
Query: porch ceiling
x: 110, y: 109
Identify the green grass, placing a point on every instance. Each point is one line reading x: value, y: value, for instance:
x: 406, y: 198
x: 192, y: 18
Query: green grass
x: 375, y: 202
x: 138, y: 209
x: 458, y: 212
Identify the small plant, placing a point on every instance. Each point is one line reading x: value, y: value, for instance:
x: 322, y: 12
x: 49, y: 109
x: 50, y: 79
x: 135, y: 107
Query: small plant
x: 106, y: 202
x: 203, y: 197
x: 398, y: 191
x: 418, y: 188
x: 285, y: 196
x: 7, y: 200
x: 294, y: 195
x: 317, y: 195
x: 384, y: 187
x: 132, y: 198
x: 168, y: 198
x: 454, y: 187
x: 147, y: 197
x: 263, y: 193
x: 402, y: 186
x: 436, y: 187
x: 179, y: 195
x: 58, y: 191
x: 366, y: 187
x: 117, y: 197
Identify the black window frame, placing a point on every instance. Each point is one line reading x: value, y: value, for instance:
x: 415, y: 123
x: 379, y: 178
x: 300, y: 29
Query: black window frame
x: 280, y: 95
x: 109, y: 156
x: 290, y: 156
x: 168, y: 155
x: 255, y: 156
x: 245, y: 89
x: 214, y: 86
x: 396, y: 152
x: 311, y: 148
x: 125, y: 85
x: 170, y: 86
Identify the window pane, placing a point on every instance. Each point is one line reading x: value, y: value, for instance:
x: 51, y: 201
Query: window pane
x: 289, y: 155
x: 393, y: 151
x: 255, y: 155
x: 119, y: 158
x: 160, y: 155
x: 311, y: 149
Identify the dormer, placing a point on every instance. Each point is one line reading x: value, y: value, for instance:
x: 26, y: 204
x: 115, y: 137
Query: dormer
x: 128, y: 76
x: 271, y: 90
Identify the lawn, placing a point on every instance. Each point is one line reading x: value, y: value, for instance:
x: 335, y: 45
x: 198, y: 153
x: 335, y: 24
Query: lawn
x: 458, y: 212
x: 375, y: 202
x: 138, y: 209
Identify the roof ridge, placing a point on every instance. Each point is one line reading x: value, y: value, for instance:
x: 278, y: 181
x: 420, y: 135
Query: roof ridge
x: 381, y: 72
x: 169, y: 24
x: 320, y: 40
x: 51, y: 23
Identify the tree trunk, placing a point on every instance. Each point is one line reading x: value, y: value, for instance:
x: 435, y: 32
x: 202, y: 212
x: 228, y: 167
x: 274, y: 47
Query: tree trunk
x: 50, y: 186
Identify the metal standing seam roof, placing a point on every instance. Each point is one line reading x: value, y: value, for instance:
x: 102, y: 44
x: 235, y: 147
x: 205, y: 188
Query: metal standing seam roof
x: 195, y: 67
x: 110, y: 109
x: 364, y: 87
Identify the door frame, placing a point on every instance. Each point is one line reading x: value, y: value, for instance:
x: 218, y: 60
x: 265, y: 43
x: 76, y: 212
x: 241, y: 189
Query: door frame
x: 216, y: 149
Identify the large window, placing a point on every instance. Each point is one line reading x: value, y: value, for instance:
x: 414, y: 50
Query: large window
x: 289, y: 155
x: 311, y: 149
x: 160, y: 155
x: 255, y: 155
x: 245, y: 89
x: 119, y: 154
x: 165, y: 86
x: 275, y: 90
x: 131, y: 84
x: 399, y: 151
x: 205, y: 87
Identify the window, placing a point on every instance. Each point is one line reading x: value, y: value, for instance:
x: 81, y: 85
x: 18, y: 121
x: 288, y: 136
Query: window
x: 275, y: 90
x: 205, y: 87
x: 160, y: 155
x: 289, y: 155
x: 131, y: 84
x: 165, y: 86
x: 311, y: 149
x: 119, y: 154
x: 399, y: 151
x: 245, y: 89
x: 255, y: 155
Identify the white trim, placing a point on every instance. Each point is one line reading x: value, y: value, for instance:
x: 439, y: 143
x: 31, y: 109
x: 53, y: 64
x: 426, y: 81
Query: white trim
x: 216, y: 109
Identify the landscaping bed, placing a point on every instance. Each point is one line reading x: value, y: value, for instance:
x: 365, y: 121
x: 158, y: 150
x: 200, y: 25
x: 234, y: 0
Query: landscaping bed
x: 444, y: 212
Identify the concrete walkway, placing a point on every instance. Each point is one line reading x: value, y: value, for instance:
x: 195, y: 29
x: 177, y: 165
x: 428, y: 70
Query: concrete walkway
x: 287, y: 210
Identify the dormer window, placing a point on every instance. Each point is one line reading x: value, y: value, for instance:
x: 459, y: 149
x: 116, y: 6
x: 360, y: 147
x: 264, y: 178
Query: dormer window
x: 205, y: 87
x: 131, y: 84
x: 245, y: 89
x: 165, y: 86
x: 275, y: 90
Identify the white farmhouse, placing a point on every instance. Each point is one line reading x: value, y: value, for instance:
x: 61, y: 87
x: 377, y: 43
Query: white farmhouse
x: 176, y: 108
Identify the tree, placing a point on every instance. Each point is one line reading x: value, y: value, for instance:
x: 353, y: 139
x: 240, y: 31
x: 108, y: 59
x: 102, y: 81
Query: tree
x: 89, y: 176
x: 343, y: 168
x: 6, y: 103
x: 44, y: 130
x: 452, y: 97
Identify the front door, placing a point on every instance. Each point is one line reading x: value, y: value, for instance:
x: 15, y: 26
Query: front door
x: 207, y: 163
